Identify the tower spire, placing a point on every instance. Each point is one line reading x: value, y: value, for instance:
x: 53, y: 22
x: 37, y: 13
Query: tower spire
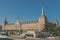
x: 55, y: 21
x: 5, y: 21
x: 42, y: 11
x: 42, y: 7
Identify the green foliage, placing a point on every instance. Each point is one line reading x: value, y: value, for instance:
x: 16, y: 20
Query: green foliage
x: 57, y: 30
x: 11, y: 32
x: 54, y: 31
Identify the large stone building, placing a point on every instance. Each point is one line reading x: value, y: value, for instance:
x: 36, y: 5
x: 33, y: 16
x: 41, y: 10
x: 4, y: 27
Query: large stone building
x: 30, y: 25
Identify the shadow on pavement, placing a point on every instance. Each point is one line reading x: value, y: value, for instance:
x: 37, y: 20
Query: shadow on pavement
x: 5, y: 39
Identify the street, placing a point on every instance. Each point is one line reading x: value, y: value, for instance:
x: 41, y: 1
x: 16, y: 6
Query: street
x: 14, y: 38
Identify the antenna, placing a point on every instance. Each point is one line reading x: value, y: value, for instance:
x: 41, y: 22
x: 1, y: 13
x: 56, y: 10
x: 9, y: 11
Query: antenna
x: 43, y: 3
x: 17, y: 18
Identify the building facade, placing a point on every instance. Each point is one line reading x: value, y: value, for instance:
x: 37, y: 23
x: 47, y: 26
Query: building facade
x: 30, y: 25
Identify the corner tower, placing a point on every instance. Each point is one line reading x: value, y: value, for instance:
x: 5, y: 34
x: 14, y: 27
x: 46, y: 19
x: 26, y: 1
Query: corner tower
x: 42, y: 20
x: 4, y: 23
x: 56, y: 22
x: 17, y: 24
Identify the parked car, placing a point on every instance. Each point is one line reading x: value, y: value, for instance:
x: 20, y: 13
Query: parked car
x: 3, y: 35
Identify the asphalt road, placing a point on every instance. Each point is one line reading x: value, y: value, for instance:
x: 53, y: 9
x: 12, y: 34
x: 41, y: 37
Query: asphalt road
x: 26, y: 39
x: 18, y: 38
x: 35, y: 39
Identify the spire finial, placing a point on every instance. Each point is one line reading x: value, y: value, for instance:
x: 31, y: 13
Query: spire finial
x: 17, y: 19
x: 4, y: 17
x: 42, y: 11
x: 55, y: 19
x: 5, y: 20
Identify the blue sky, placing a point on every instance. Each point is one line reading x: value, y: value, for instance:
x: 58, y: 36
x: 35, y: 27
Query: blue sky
x: 28, y: 10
